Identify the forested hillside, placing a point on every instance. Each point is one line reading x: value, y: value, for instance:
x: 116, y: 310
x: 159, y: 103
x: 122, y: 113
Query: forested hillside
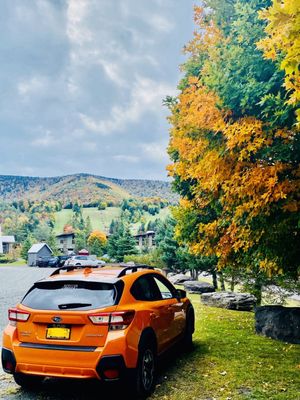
x: 85, y: 188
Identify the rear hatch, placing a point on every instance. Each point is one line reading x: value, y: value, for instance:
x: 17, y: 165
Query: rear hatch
x: 60, y: 310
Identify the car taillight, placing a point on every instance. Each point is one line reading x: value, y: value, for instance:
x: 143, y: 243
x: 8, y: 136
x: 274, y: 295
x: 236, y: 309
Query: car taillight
x: 100, y: 318
x: 16, y: 315
x: 114, y: 320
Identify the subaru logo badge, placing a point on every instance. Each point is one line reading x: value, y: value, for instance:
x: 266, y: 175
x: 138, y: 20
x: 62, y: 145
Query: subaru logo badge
x: 56, y: 319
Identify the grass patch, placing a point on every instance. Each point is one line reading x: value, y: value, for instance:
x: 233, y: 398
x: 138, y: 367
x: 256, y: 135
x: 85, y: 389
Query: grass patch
x: 231, y: 362
x: 15, y: 263
x: 100, y: 219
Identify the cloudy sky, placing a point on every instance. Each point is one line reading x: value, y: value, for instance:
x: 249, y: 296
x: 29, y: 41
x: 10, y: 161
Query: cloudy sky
x: 82, y: 83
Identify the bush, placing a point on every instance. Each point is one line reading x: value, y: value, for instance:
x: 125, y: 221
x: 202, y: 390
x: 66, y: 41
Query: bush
x: 153, y: 259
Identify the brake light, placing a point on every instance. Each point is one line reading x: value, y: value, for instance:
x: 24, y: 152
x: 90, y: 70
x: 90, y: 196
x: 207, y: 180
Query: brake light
x: 115, y: 320
x: 16, y: 315
x: 100, y: 318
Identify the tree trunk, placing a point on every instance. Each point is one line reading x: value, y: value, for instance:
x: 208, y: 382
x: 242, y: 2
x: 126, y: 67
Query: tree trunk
x: 215, y: 279
x: 232, y: 284
x: 257, y: 291
x: 221, y: 278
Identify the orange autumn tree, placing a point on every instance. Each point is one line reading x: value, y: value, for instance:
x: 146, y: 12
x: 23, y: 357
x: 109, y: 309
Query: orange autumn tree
x: 234, y: 147
x: 97, y: 242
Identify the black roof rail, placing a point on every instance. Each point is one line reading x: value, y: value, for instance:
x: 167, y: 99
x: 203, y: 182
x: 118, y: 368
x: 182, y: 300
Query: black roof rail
x: 133, y: 268
x: 71, y: 268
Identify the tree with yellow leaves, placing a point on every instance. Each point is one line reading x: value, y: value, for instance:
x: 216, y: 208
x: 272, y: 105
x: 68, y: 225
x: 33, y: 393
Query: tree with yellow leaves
x: 235, y: 147
x: 97, y: 242
x: 283, y: 42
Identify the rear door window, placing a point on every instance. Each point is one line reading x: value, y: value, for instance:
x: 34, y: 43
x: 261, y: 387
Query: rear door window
x: 69, y: 295
x: 144, y: 288
x: 165, y: 291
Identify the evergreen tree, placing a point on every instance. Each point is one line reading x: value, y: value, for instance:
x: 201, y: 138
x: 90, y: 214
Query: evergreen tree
x: 121, y: 243
x: 26, y: 245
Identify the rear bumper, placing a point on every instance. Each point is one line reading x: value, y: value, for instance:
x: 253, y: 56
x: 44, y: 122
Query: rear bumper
x: 111, y: 363
x: 68, y: 361
x: 8, y: 361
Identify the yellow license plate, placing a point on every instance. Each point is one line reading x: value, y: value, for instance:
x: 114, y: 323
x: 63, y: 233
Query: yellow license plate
x: 58, y: 333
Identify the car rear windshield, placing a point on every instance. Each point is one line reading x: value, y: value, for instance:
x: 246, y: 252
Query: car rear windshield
x: 68, y: 295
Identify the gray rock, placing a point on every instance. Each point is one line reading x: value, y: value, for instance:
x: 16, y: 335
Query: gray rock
x: 198, y: 287
x: 229, y: 300
x: 278, y: 322
x: 179, y: 279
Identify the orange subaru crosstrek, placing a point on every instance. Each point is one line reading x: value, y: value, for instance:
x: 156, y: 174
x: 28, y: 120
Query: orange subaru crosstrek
x: 109, y: 323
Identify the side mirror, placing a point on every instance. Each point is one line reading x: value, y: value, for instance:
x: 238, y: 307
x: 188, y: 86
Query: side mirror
x: 180, y: 294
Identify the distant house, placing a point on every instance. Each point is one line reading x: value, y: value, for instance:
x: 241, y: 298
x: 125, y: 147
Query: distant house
x: 66, y: 242
x: 145, y: 239
x: 6, y: 243
x: 38, y: 251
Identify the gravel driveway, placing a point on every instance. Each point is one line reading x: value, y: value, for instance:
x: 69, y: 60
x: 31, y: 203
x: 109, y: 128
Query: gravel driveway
x: 14, y: 283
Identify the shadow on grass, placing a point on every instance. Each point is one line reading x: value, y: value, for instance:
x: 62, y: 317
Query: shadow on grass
x: 176, y: 359
x: 69, y: 389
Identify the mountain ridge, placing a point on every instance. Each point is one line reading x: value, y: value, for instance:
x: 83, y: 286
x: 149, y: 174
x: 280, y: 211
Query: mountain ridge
x: 83, y: 187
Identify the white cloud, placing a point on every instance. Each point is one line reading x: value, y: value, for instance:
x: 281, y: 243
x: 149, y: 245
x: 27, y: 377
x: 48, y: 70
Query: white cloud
x: 113, y: 72
x: 155, y: 151
x: 146, y: 97
x: 45, y: 140
x: 77, y: 31
x: 126, y: 158
x: 31, y: 86
x: 160, y: 23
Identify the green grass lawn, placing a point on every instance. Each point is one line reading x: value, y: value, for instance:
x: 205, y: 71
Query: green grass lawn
x: 16, y: 263
x: 231, y: 362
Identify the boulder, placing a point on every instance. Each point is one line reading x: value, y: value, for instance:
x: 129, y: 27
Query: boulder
x: 229, y: 300
x: 198, y: 287
x: 179, y: 279
x: 278, y: 322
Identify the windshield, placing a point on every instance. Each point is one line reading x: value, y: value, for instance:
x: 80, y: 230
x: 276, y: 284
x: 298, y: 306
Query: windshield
x: 70, y: 295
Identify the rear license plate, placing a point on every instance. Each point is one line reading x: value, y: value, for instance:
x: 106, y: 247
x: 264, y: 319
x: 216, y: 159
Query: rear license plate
x: 58, y: 333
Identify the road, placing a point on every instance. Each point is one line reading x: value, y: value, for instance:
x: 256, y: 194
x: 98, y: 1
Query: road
x: 14, y: 283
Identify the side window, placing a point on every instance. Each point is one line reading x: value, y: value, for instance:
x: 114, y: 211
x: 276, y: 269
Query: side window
x: 144, y: 288
x: 165, y: 291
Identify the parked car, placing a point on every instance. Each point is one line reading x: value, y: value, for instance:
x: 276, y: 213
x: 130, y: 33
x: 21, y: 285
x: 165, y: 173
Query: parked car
x: 110, y: 323
x: 84, y: 261
x: 53, y: 262
x: 42, y: 262
x: 62, y: 260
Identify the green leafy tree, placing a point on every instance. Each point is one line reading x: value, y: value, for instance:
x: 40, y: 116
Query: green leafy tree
x: 121, y: 243
x: 26, y: 245
x: 235, y: 146
x: 97, y: 243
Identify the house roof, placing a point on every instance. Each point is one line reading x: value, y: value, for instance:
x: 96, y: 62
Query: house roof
x: 65, y: 234
x: 35, y: 248
x: 148, y: 233
x: 7, y: 239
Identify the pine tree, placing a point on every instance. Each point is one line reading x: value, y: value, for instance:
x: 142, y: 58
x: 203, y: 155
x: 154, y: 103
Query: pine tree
x: 26, y: 245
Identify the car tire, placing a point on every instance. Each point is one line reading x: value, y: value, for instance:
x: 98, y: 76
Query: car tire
x: 28, y: 381
x: 189, y: 330
x: 145, y: 376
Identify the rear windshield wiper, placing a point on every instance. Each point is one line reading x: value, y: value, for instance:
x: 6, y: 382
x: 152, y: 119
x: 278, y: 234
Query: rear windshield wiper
x: 73, y: 305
